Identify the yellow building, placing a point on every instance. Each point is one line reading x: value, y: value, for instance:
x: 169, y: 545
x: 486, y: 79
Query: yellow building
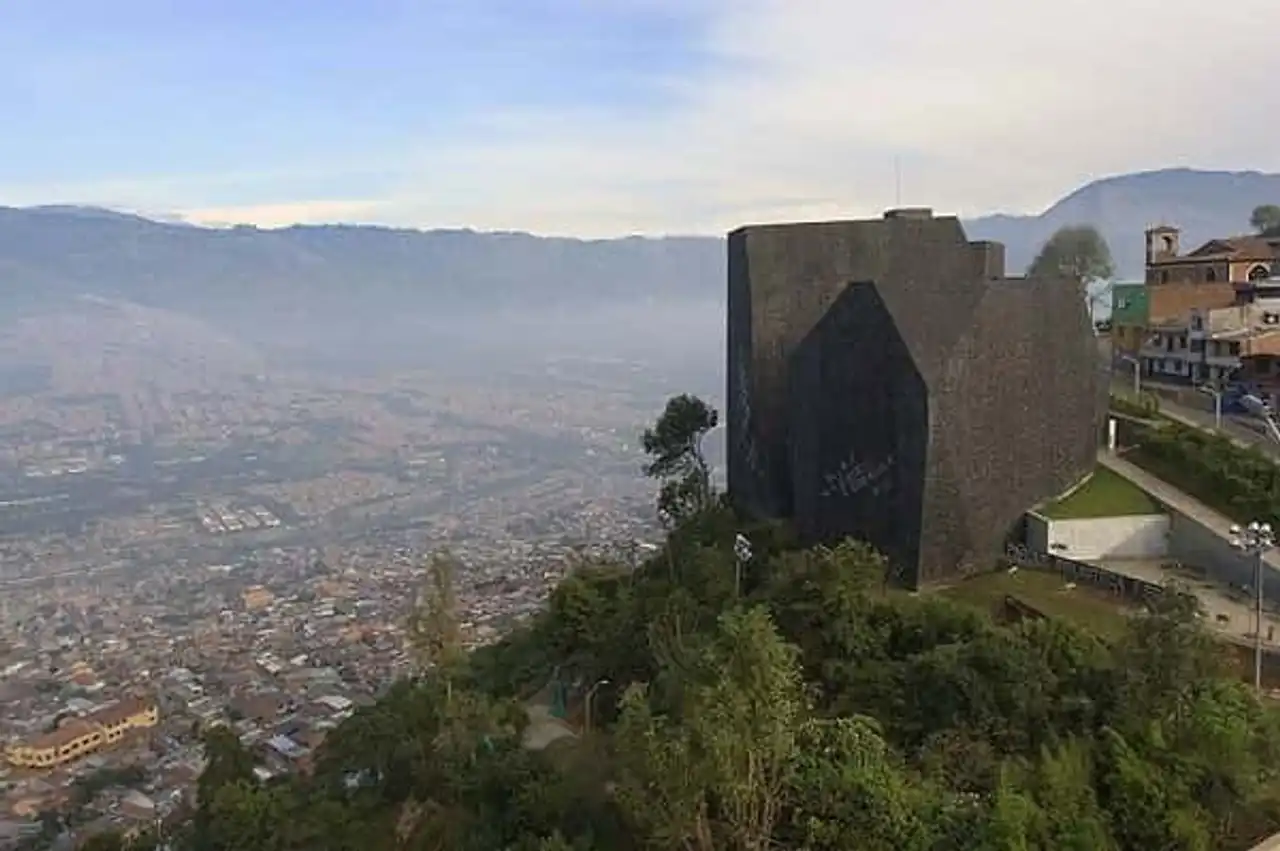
x: 78, y: 737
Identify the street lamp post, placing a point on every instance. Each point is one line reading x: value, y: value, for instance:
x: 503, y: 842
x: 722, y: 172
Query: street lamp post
x: 591, y: 693
x: 741, y: 555
x: 1216, y: 393
x: 1256, y: 539
x: 1137, y: 375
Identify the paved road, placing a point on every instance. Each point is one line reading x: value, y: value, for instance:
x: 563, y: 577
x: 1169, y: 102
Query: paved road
x: 1185, y: 405
x: 544, y: 728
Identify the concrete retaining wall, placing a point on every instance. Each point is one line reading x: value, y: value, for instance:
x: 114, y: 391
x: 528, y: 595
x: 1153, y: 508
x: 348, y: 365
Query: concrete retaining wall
x: 1098, y: 538
x: 1199, y: 547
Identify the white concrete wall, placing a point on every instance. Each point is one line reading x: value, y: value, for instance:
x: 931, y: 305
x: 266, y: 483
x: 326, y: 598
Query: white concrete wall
x: 1092, y: 539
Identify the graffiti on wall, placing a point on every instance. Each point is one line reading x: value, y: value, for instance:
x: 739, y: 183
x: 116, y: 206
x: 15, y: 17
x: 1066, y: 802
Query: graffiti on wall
x: 853, y: 477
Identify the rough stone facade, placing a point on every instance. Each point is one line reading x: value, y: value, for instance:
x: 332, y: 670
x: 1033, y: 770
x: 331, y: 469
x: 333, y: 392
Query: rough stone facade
x: 887, y: 382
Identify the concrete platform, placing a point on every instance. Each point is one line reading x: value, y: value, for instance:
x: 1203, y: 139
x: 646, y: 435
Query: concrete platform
x: 1228, y: 612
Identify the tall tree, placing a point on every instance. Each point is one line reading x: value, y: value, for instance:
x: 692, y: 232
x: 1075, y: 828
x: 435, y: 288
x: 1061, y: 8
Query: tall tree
x: 1265, y: 219
x: 227, y: 762
x: 1078, y: 252
x: 716, y: 771
x: 434, y: 630
x: 228, y: 765
x: 674, y: 447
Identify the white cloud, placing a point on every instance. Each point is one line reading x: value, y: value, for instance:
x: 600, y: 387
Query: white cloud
x: 283, y: 214
x: 989, y: 105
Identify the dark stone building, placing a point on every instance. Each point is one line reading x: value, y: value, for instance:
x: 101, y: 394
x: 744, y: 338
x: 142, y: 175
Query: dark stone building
x: 887, y: 382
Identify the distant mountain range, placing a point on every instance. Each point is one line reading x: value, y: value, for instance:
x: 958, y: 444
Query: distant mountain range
x: 61, y: 250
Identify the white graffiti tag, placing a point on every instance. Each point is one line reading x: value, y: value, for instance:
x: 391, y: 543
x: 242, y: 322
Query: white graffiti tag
x: 853, y: 477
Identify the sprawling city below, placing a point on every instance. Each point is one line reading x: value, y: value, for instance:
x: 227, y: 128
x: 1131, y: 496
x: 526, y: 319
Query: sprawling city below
x: 186, y: 525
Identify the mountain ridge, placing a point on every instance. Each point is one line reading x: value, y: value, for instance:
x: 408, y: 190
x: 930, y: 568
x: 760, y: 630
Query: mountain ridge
x: 62, y: 249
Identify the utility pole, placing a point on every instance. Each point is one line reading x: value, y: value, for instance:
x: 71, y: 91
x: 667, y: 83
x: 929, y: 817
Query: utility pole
x: 1256, y: 539
x: 1216, y: 392
x: 1137, y: 376
x: 591, y: 693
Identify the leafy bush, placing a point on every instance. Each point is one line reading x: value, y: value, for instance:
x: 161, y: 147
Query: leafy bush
x: 1147, y: 406
x: 1242, y: 483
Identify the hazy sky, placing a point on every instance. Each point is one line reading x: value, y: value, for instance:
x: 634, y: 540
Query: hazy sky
x: 602, y: 117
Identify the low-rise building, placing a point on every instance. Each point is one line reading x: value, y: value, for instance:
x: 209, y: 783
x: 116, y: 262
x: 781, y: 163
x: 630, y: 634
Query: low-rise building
x: 1217, y: 347
x: 76, y: 738
x: 1128, y: 317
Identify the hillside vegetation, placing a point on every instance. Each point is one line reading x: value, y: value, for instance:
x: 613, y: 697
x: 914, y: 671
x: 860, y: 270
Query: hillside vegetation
x: 794, y: 704
x: 1241, y: 483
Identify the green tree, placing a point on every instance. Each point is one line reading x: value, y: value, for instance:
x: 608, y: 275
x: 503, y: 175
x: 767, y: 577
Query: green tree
x: 108, y: 841
x: 227, y: 762
x: 1078, y: 252
x: 1265, y: 219
x: 434, y: 629
x: 850, y: 793
x: 714, y: 770
x: 247, y: 817
x: 1071, y: 818
x: 674, y: 447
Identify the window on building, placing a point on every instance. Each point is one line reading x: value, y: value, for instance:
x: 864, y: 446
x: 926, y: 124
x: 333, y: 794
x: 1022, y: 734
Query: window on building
x: 1259, y: 273
x: 1211, y: 274
x: 1164, y: 276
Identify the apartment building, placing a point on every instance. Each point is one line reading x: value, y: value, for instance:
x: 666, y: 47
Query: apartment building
x: 78, y: 737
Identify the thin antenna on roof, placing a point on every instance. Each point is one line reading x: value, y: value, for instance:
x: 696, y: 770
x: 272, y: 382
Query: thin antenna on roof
x: 897, y: 181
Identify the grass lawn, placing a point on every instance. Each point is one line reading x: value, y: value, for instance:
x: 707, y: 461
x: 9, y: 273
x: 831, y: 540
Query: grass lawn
x: 1106, y: 494
x: 1088, y: 608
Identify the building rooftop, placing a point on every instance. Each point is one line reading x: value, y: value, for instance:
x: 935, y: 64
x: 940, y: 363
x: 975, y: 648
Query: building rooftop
x: 68, y: 731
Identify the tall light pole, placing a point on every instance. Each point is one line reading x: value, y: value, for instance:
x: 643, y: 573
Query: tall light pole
x: 1136, y: 363
x: 1216, y: 393
x: 591, y: 693
x: 741, y: 555
x: 1256, y: 539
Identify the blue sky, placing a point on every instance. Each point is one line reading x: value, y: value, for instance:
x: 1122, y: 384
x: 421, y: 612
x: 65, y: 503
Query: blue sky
x: 603, y: 116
